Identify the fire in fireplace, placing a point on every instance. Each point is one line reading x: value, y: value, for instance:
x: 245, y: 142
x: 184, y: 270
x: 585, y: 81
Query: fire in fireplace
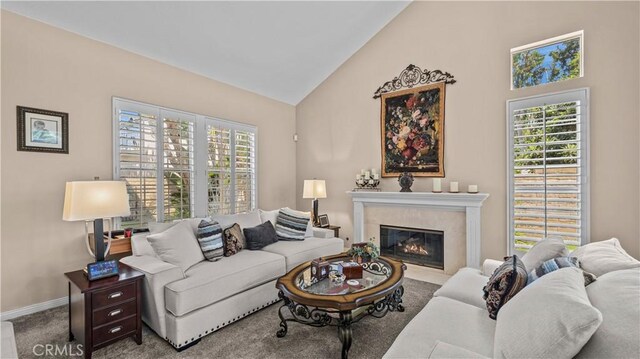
x: 413, y: 245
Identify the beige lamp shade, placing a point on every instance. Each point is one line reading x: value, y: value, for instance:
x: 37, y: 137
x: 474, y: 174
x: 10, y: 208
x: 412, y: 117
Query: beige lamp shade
x: 314, y: 189
x: 89, y: 200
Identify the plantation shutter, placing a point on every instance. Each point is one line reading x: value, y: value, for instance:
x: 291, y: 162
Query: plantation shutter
x: 136, y: 158
x: 178, y: 171
x: 219, y: 184
x: 548, y: 169
x: 245, y: 184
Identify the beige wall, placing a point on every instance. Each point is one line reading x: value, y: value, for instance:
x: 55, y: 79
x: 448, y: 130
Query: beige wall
x: 338, y: 123
x: 49, y: 68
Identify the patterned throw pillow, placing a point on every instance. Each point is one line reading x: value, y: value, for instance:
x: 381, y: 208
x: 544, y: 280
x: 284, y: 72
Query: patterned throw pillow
x: 557, y: 263
x: 504, y: 284
x: 234, y: 240
x: 291, y: 225
x: 209, y: 235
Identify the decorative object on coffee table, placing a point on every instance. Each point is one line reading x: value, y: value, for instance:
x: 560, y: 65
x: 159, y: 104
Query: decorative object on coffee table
x: 326, y: 303
x: 364, y: 252
x: 406, y: 181
x: 319, y: 269
x: 314, y: 189
x: 104, y: 311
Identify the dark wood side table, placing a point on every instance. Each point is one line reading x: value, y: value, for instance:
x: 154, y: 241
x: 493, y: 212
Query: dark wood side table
x: 336, y: 230
x: 106, y: 310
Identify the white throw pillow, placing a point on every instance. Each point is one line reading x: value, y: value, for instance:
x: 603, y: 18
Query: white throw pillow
x: 140, y: 246
x: 177, y: 245
x: 603, y: 257
x: 543, y: 251
x: 550, y: 318
x: 244, y: 220
x: 157, y: 227
x: 616, y: 295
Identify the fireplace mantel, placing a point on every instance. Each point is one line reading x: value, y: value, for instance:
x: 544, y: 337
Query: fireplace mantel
x: 464, y: 202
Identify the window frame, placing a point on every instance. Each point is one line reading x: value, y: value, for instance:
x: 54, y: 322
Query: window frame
x: 199, y: 202
x: 546, y: 42
x: 582, y: 95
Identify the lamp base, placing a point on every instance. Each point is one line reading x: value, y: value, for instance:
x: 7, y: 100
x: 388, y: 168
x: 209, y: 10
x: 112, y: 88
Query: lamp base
x: 98, y: 239
x: 314, y: 212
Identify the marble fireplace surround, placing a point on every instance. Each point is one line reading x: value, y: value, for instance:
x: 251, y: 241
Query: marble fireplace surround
x: 468, y: 203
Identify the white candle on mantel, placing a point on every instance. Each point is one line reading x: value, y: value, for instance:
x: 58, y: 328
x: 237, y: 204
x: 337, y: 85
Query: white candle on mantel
x: 358, y: 177
x: 375, y: 176
x: 473, y: 188
x: 453, y: 187
x: 367, y: 174
x: 374, y: 171
x: 437, y: 185
x: 362, y: 172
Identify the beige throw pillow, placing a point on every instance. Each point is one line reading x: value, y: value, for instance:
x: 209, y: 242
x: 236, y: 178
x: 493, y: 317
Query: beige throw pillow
x: 550, y: 318
x: 177, y: 245
x: 603, y: 257
x: 543, y: 251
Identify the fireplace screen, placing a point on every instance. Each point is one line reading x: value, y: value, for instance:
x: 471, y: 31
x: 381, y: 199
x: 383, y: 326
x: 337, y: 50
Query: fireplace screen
x: 413, y: 245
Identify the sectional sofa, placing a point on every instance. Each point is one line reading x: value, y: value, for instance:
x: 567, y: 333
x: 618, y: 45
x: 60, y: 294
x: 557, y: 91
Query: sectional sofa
x: 554, y: 317
x: 182, y: 307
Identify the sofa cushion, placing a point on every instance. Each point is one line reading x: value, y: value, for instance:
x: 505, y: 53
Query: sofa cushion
x: 209, y: 282
x: 504, y: 284
x: 260, y: 236
x: 466, y: 286
x: 615, y: 295
x: 291, y: 225
x: 140, y: 246
x: 555, y: 264
x: 234, y: 240
x: 603, y: 257
x: 543, y: 251
x: 244, y: 220
x: 446, y: 320
x: 550, y: 318
x: 297, y: 252
x: 209, y: 235
x: 444, y: 350
x: 177, y: 245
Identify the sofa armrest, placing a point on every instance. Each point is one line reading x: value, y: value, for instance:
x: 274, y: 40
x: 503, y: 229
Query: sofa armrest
x: 489, y: 266
x: 323, y: 232
x: 157, y: 274
x: 442, y: 350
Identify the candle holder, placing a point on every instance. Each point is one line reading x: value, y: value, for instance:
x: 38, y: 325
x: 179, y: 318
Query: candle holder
x: 367, y: 184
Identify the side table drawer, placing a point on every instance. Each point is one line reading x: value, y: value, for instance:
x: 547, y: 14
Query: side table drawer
x: 113, y: 295
x: 114, y: 330
x: 113, y: 313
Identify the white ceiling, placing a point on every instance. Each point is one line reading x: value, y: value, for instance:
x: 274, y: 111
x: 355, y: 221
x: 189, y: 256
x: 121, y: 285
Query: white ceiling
x: 278, y: 49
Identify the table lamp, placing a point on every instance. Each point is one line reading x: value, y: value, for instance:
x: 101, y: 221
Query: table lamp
x: 93, y: 201
x: 314, y: 189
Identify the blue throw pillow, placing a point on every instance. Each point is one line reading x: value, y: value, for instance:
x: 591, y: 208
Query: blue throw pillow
x: 555, y: 264
x: 209, y: 235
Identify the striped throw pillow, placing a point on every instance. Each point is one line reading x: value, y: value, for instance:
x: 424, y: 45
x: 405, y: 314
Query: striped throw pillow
x: 505, y: 282
x: 209, y: 235
x: 555, y: 264
x: 291, y: 225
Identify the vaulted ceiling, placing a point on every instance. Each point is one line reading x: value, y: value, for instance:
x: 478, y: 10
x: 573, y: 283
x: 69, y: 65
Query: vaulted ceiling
x: 279, y: 49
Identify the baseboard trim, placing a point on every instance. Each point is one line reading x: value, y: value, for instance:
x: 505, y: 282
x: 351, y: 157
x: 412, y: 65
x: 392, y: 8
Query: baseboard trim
x: 34, y: 308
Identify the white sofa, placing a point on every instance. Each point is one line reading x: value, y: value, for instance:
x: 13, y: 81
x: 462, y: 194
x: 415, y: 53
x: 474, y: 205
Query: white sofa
x: 184, y: 307
x: 455, y: 323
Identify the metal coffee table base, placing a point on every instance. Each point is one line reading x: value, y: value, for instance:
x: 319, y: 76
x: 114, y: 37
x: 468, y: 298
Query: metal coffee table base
x: 319, y: 317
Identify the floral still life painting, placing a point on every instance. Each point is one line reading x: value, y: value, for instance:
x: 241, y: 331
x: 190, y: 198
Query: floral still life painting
x: 412, y: 123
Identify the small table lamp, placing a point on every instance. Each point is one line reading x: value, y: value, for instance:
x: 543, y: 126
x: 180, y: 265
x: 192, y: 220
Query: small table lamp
x: 314, y: 189
x: 93, y: 201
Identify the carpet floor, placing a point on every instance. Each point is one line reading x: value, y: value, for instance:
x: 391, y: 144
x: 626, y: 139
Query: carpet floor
x: 251, y: 337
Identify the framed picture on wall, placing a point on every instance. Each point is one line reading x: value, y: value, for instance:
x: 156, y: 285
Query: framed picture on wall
x: 324, y: 220
x: 412, y: 129
x: 42, y: 130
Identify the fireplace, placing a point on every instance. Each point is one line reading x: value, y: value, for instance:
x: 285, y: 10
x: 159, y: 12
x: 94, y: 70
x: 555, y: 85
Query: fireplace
x: 413, y: 245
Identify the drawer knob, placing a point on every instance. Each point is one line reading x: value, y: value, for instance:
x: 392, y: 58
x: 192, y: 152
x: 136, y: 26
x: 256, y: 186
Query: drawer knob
x: 115, y: 330
x: 115, y: 312
x: 115, y: 295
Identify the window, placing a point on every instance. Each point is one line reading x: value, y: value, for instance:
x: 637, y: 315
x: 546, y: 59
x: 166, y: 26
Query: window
x: 202, y: 166
x: 548, y: 167
x: 547, y: 61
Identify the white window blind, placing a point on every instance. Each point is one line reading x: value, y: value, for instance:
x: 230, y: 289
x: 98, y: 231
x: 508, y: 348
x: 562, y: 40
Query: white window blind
x: 548, y: 169
x: 181, y: 165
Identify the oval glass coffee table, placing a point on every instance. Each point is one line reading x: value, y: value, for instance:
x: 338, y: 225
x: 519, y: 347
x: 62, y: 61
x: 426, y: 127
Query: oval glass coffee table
x: 325, y: 302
